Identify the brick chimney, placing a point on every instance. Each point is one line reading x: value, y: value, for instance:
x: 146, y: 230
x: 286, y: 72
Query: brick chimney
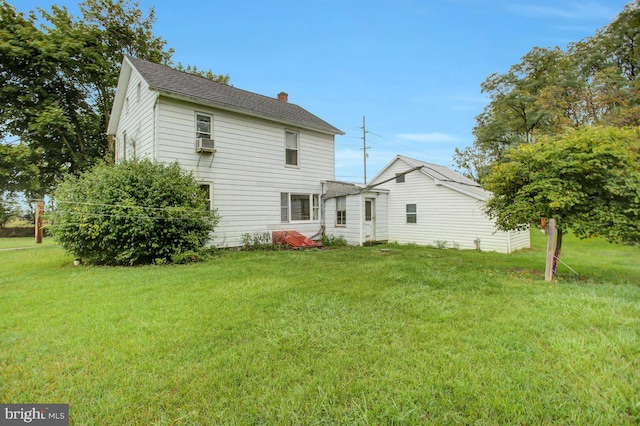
x: 284, y: 97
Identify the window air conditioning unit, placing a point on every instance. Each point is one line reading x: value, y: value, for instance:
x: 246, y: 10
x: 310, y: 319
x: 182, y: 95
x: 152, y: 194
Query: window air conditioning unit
x: 204, y: 145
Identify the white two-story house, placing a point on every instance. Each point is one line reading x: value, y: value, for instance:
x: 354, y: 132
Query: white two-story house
x: 262, y: 160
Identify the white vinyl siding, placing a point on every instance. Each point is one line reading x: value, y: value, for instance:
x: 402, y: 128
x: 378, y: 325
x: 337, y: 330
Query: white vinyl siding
x: 136, y: 121
x: 247, y: 169
x: 444, y: 214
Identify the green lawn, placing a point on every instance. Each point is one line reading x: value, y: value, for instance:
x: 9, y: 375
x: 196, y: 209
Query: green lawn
x: 409, y: 335
x: 19, y: 242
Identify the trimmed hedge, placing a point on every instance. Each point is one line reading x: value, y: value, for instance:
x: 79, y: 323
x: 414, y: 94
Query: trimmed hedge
x: 17, y: 232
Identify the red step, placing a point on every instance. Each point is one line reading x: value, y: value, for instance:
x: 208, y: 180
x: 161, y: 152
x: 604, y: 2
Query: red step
x: 292, y: 239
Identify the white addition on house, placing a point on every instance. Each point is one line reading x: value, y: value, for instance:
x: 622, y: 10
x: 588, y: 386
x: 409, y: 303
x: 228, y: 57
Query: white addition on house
x: 411, y: 201
x: 262, y: 160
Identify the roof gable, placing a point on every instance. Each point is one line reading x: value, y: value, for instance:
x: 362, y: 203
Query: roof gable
x: 182, y: 85
x: 442, y: 175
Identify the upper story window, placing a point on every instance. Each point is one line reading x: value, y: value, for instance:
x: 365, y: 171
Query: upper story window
x: 138, y: 91
x: 399, y: 177
x: 203, y: 126
x: 292, y: 145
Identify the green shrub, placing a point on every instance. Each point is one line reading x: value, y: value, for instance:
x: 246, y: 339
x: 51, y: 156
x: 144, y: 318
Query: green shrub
x: 330, y: 240
x: 135, y: 212
x: 258, y: 241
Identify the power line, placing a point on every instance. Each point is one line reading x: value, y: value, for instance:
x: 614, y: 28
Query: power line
x: 168, y: 208
x: 120, y: 216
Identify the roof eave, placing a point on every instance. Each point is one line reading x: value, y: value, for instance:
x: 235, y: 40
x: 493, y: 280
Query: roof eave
x: 118, y: 100
x: 461, y: 190
x: 231, y: 108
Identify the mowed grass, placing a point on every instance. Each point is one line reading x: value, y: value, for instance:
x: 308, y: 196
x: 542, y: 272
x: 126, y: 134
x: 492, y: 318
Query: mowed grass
x: 19, y: 242
x: 371, y: 335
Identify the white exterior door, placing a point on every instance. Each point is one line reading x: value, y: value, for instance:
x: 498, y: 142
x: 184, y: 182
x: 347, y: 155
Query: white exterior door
x: 370, y: 219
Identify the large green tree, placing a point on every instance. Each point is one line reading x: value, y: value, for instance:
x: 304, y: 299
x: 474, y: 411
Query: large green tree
x: 587, y: 180
x: 58, y: 75
x: 596, y: 81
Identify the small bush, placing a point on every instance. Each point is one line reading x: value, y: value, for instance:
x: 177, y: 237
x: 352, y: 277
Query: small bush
x: 330, y: 240
x: 258, y: 241
x: 135, y: 212
x: 192, y: 256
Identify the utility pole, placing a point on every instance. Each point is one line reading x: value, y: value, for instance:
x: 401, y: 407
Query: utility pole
x: 364, y: 147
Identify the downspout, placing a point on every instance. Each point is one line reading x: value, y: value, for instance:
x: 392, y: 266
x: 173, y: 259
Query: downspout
x: 154, y: 135
x: 361, y: 219
x: 322, y: 209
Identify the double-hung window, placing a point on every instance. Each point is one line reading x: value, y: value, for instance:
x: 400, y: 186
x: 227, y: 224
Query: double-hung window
x: 291, y: 148
x: 316, y: 206
x: 412, y: 213
x: 203, y: 126
x: 205, y: 189
x: 299, y: 207
x: 341, y: 211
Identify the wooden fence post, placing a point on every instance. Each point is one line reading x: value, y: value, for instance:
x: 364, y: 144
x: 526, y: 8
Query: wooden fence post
x: 39, y: 213
x: 551, y: 250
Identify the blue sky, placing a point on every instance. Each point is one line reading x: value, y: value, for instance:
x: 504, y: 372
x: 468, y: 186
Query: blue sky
x: 412, y: 67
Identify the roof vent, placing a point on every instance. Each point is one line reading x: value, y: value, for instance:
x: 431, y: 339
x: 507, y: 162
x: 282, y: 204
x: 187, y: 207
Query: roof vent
x: 284, y: 97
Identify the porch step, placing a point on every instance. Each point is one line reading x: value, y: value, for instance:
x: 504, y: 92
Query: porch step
x: 292, y: 239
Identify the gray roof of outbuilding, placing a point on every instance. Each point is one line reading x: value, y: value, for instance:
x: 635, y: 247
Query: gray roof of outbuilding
x: 207, y: 92
x: 452, y: 178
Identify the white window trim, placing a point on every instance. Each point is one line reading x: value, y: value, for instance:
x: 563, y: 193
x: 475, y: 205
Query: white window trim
x: 195, y: 122
x: 341, y: 225
x: 297, y: 165
x: 407, y: 213
x: 313, y: 209
x: 210, y: 196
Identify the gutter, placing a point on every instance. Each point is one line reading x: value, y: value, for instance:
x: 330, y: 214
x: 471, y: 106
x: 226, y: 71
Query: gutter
x: 249, y: 112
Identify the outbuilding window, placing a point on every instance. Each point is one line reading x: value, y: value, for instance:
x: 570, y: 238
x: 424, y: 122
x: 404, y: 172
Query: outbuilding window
x: 412, y: 213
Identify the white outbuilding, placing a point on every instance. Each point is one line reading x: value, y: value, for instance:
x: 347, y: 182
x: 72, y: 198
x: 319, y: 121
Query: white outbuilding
x: 433, y: 205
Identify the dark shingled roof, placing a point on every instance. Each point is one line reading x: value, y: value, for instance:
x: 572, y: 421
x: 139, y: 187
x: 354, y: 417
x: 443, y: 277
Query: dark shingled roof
x: 208, y: 92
